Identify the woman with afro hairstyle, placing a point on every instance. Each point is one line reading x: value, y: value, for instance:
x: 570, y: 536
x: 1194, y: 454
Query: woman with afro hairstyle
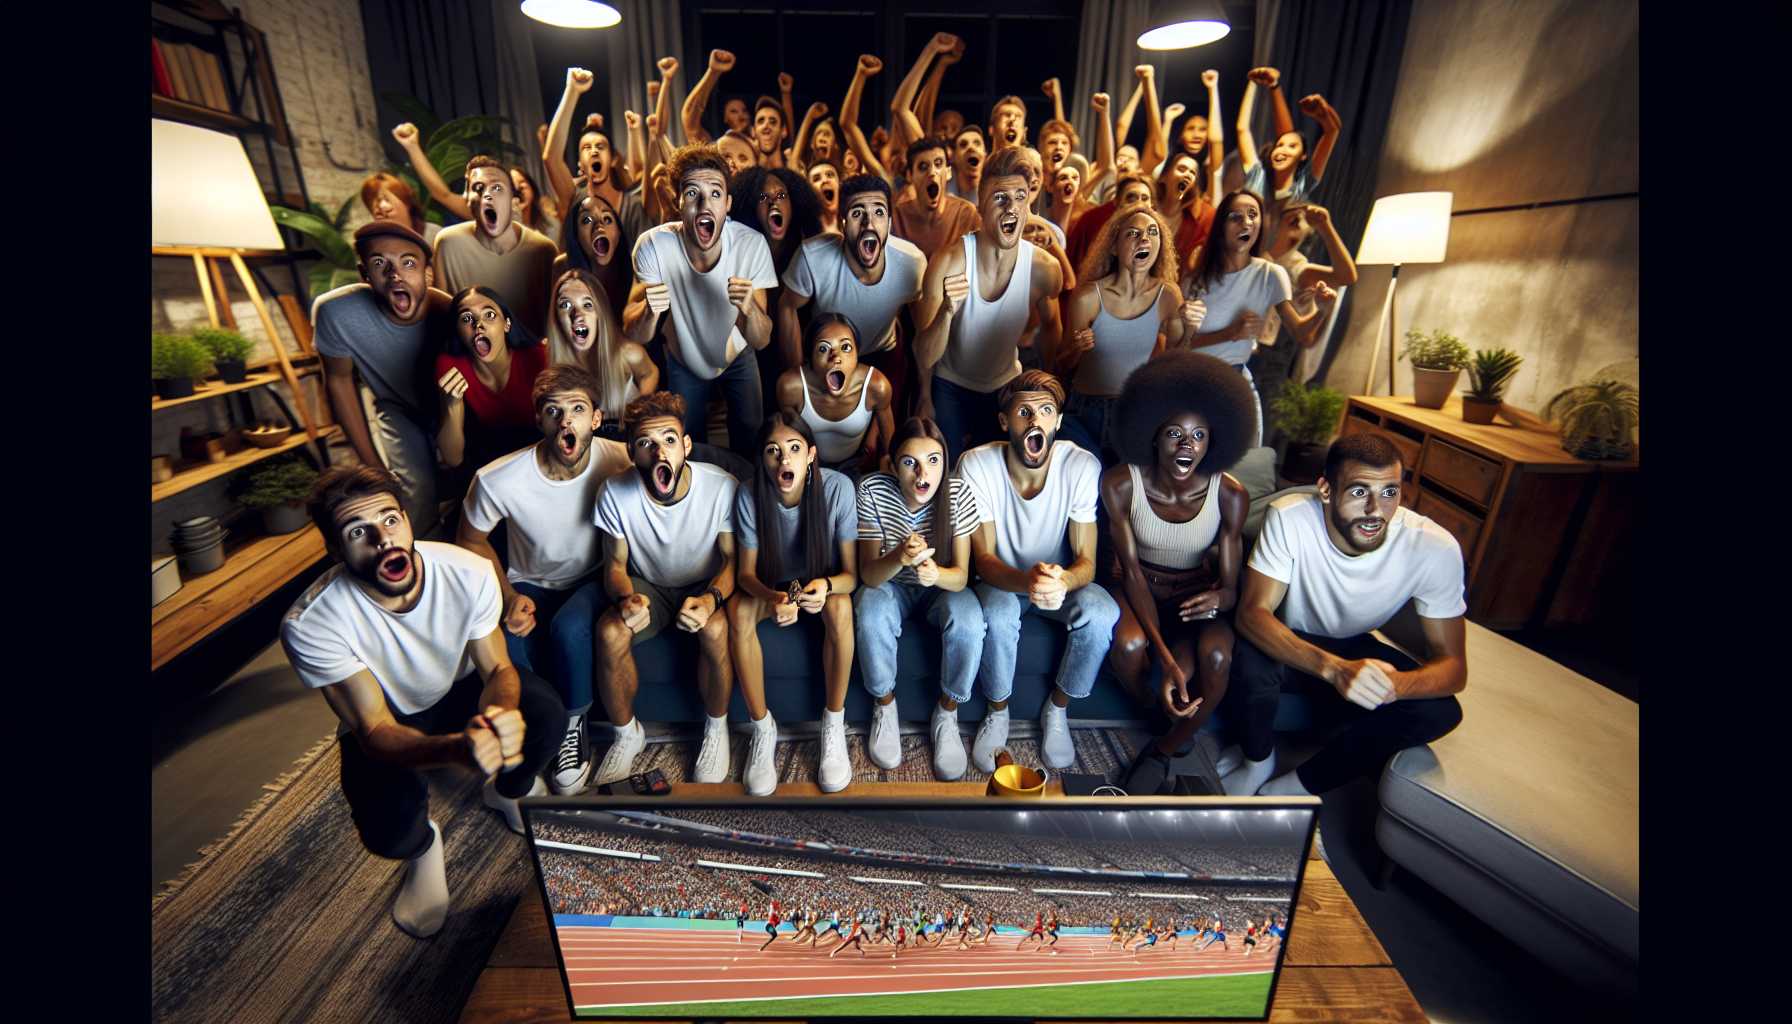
x: 780, y: 204
x: 1177, y: 524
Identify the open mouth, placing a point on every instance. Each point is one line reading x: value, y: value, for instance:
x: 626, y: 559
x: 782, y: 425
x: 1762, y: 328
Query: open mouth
x: 490, y: 216
x: 933, y: 192
x: 1245, y: 237
x: 973, y: 160
x: 1369, y: 527
x: 922, y: 487
x: 1034, y: 443
x: 836, y: 380
x: 706, y: 230
x: 401, y: 300
x: 568, y: 442
x: 581, y: 334
x: 776, y: 220
x: 1011, y: 136
x: 482, y: 346
x: 1008, y: 225
x: 600, y: 247
x: 1184, y: 463
x: 1142, y: 256
x: 395, y: 566
x: 663, y: 478
x: 868, y: 249
x: 827, y: 196
x: 786, y: 478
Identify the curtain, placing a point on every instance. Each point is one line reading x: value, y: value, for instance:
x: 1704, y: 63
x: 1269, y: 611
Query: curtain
x: 518, y: 85
x: 1105, y: 58
x: 650, y: 30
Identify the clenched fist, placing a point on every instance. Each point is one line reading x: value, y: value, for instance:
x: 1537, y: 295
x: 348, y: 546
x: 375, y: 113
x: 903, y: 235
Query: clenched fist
x: 1082, y: 340
x: 740, y: 292
x: 721, y: 61
x: 406, y: 134
x: 1248, y: 326
x: 1144, y: 71
x: 1099, y: 102
x: 578, y: 79
x: 1210, y: 78
x: 869, y: 65
x: 957, y: 287
x: 495, y: 739
x: 1049, y: 87
x: 818, y: 110
x: 453, y: 384
x: 668, y: 66
x: 785, y: 82
x: 659, y: 298
x: 1268, y: 78
x: 519, y: 616
x: 635, y: 611
x: 1193, y: 313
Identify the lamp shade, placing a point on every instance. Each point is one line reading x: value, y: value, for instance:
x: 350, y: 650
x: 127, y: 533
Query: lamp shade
x: 203, y: 192
x: 1182, y: 24
x: 1413, y: 227
x: 573, y: 13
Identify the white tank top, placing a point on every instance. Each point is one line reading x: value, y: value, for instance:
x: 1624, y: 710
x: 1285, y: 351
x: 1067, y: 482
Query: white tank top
x: 1173, y: 545
x: 837, y: 440
x: 1120, y: 347
x: 983, y: 348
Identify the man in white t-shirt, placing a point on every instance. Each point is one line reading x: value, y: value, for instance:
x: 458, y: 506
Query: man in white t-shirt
x: 671, y: 562
x: 862, y: 274
x: 402, y: 639
x: 1326, y: 570
x: 551, y: 590
x: 1036, y: 498
x: 710, y: 274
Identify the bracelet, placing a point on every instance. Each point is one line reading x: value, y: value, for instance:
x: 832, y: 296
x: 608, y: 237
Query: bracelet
x: 717, y: 594
x: 830, y: 582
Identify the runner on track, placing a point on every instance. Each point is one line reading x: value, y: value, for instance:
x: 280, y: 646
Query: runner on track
x: 855, y: 939
x: 1037, y: 931
x: 1051, y: 928
x: 773, y: 915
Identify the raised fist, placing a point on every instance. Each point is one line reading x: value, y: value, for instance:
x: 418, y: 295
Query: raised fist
x: 1210, y: 78
x: 869, y: 65
x: 721, y: 61
x: 578, y: 79
x: 818, y: 110
x: 785, y: 82
x: 1049, y: 87
x: 1194, y: 313
x: 1173, y: 111
x: 1099, y: 102
x: 668, y: 66
x: 945, y: 42
x: 406, y: 134
x: 1144, y: 71
x: 740, y: 292
x: 453, y: 384
x: 594, y: 122
x: 1269, y: 78
x: 632, y: 119
x: 1318, y: 216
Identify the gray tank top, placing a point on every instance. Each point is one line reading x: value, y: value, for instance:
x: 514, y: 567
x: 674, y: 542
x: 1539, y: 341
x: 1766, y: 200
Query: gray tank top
x: 983, y: 348
x: 1173, y: 545
x: 1120, y: 347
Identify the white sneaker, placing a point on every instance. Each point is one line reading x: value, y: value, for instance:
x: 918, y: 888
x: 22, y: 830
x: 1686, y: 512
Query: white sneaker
x: 1055, y: 748
x: 992, y: 735
x: 836, y: 767
x: 619, y: 761
x: 948, y: 745
x: 885, y: 743
x: 1229, y: 760
x: 713, y: 756
x: 761, y: 774
x: 513, y: 815
x: 572, y: 767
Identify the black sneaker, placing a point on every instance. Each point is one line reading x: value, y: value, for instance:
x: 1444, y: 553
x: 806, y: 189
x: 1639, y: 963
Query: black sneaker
x: 572, y: 769
x: 1150, y: 775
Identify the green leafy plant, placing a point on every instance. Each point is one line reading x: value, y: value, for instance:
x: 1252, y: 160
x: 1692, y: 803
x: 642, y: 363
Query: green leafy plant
x: 278, y: 483
x: 1308, y: 415
x: 1598, y: 418
x: 1491, y: 371
x: 339, y: 265
x: 172, y: 356
x: 223, y: 344
x: 1436, y: 351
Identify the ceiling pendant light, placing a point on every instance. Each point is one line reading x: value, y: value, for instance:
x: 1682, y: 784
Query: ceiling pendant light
x: 1182, y: 24
x: 573, y: 13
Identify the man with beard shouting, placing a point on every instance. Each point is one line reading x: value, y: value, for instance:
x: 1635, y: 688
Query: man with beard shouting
x: 1035, y: 553
x: 1328, y: 569
x: 710, y: 272
x: 497, y: 251
x: 403, y: 640
x: 551, y: 591
x: 862, y: 274
x: 671, y: 530
x: 388, y: 329
x: 933, y: 218
x: 974, y: 307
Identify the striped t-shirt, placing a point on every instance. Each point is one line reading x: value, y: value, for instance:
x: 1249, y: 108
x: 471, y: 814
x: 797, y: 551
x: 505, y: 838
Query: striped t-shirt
x: 884, y: 516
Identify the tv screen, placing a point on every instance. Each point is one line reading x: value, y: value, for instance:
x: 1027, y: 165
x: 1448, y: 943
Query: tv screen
x: 1141, y: 908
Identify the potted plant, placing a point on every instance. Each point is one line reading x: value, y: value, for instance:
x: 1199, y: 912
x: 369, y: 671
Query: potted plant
x: 279, y: 490
x: 1598, y: 418
x: 1488, y: 375
x: 1437, y: 359
x: 1309, y: 416
x: 230, y: 352
x: 175, y: 362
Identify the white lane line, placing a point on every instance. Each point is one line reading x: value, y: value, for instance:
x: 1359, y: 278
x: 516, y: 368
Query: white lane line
x: 898, y: 992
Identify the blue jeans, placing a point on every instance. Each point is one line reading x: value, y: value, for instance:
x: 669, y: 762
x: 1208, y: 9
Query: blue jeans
x: 961, y: 411
x: 1089, y: 613
x: 739, y: 385
x: 563, y: 637
x: 878, y: 615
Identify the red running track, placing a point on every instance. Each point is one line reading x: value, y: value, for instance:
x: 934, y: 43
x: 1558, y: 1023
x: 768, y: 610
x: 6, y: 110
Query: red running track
x: 643, y: 966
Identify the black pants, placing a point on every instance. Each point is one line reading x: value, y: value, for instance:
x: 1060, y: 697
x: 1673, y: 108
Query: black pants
x: 390, y: 803
x: 1367, y: 739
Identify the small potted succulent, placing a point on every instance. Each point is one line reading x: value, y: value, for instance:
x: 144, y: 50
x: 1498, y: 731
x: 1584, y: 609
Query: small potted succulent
x: 1309, y: 416
x: 279, y: 490
x: 1437, y: 360
x: 1488, y: 375
x: 1598, y: 418
x: 175, y: 362
x: 230, y: 352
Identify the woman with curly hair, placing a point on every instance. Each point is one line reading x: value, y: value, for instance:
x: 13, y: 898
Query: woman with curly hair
x: 1121, y: 315
x: 1177, y: 524
x: 780, y: 204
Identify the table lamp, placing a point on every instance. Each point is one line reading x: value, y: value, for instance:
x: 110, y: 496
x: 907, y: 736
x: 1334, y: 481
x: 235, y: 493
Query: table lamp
x: 1413, y: 227
x: 206, y: 203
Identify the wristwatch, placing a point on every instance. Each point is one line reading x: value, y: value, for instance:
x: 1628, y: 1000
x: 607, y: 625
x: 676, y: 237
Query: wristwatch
x: 717, y: 594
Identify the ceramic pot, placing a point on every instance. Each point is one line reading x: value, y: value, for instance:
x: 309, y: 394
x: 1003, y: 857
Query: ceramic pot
x: 174, y: 387
x: 286, y: 518
x: 203, y: 560
x: 1479, y: 410
x: 232, y: 371
x: 1431, y: 388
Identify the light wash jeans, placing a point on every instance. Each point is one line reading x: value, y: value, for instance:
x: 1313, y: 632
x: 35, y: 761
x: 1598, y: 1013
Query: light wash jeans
x: 878, y: 615
x: 1089, y: 613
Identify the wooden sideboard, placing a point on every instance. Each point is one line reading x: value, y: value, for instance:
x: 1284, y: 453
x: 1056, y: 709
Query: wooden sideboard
x: 1545, y: 536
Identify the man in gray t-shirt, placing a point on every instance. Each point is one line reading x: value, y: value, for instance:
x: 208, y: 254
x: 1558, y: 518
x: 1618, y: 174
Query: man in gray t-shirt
x: 388, y: 329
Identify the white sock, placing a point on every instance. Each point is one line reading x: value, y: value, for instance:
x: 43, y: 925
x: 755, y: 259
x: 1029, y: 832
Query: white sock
x: 764, y: 721
x: 1286, y: 784
x: 1248, y: 777
x: 422, y: 903
x: 721, y: 720
x: 833, y: 717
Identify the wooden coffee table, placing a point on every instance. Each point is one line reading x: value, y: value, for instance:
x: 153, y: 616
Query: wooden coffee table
x: 1335, y: 970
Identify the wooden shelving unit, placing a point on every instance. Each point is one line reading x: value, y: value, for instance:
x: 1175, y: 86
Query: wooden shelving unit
x: 190, y: 475
x: 169, y: 108
x: 253, y: 569
x: 214, y: 389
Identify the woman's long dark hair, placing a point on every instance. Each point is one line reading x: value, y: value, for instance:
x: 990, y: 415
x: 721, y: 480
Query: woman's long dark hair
x: 805, y: 205
x: 819, y: 558
x: 517, y: 337
x: 618, y: 277
x: 1209, y: 265
x: 537, y: 211
x: 941, y: 502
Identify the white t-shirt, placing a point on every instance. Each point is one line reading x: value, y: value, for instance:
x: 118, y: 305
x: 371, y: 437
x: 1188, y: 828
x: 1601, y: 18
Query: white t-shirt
x: 820, y: 270
x: 1258, y: 288
x: 1337, y: 595
x: 553, y: 542
x: 1030, y: 531
x: 334, y: 630
x: 702, y: 323
x: 670, y: 545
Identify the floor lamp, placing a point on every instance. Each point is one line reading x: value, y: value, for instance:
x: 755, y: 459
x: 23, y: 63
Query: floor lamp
x: 1413, y: 227
x: 206, y: 203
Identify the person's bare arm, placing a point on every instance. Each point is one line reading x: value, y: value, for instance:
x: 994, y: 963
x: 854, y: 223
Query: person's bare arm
x: 720, y: 63
x: 1331, y: 126
x: 503, y: 686
x: 754, y: 323
x: 1278, y: 111
x: 1079, y: 333
x: 943, y: 290
x: 1216, y: 139
x: 867, y: 66
x: 1081, y: 570
x: 553, y: 151
x: 1445, y: 671
x: 361, y: 705
x: 406, y: 134
x: 345, y: 405
x: 799, y: 150
x: 1104, y: 144
x: 1247, y: 142
x: 451, y: 436
x: 637, y: 145
x: 663, y: 106
x: 862, y: 149
x: 883, y: 416
x: 990, y: 567
x: 693, y: 615
x: 1123, y: 125
x: 1054, y: 91
x: 746, y: 576
x: 1117, y: 496
x: 903, y: 123
x: 1051, y: 268
x: 519, y: 610
x: 1342, y: 271
x: 1365, y: 682
x: 930, y: 93
x: 1305, y: 329
x: 646, y: 303
x: 1157, y: 146
x: 616, y: 580
x: 790, y: 326
x: 786, y: 85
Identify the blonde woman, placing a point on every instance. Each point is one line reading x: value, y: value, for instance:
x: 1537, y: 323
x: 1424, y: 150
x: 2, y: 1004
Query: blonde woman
x: 583, y: 332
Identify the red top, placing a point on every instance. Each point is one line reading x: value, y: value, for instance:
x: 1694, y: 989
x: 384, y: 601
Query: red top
x: 510, y: 408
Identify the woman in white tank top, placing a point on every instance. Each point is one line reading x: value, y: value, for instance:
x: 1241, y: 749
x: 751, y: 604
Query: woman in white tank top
x: 1177, y: 523
x: 1123, y: 313
x: 846, y: 404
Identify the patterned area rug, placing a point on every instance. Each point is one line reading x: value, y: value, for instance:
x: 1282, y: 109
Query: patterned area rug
x: 287, y: 918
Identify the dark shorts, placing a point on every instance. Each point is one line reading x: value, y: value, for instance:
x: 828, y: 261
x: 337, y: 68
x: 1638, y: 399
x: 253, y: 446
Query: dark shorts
x: 1151, y: 940
x: 663, y: 604
x: 771, y: 928
x: 1250, y: 940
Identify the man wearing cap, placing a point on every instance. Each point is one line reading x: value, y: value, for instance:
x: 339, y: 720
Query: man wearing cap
x: 387, y: 329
